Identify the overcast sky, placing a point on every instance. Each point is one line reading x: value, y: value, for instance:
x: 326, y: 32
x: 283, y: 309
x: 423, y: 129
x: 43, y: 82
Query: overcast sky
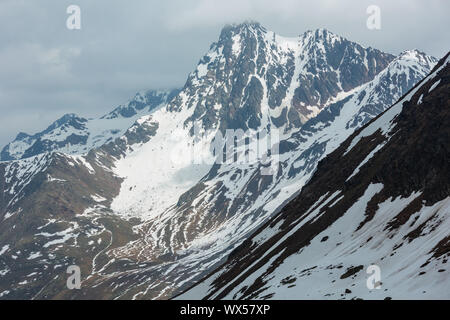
x: 125, y: 46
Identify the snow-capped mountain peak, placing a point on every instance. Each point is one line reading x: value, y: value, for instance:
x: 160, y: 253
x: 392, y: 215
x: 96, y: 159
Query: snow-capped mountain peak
x: 359, y: 211
x: 142, y: 211
x: 253, y: 78
x: 144, y: 101
x: 76, y: 135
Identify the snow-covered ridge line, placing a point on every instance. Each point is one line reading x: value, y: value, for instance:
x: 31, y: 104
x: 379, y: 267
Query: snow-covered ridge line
x: 385, y: 122
x: 176, y: 219
x: 77, y: 135
x: 280, y: 72
x: 362, y: 207
x: 195, y: 231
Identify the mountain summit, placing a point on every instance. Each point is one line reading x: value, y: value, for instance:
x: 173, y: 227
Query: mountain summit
x: 77, y: 135
x: 252, y: 77
x: 381, y: 200
x: 131, y: 208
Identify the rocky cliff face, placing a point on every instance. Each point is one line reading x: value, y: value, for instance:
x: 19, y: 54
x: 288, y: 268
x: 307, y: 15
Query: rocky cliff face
x: 382, y: 198
x: 253, y: 77
x: 131, y: 208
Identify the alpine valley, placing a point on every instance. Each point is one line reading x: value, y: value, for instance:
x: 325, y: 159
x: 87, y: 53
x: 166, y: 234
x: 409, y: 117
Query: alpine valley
x: 361, y: 179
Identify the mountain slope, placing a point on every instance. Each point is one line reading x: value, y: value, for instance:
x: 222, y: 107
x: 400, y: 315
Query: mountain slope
x: 194, y: 231
x: 54, y: 213
x: 253, y: 77
x: 143, y: 221
x: 219, y: 211
x: 383, y: 198
x: 247, y: 70
x: 76, y: 135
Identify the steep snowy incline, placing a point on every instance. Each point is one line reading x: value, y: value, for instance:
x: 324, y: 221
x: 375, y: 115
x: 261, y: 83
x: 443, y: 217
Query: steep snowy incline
x: 201, y: 226
x: 158, y: 172
x: 250, y: 79
x: 254, y: 78
x: 55, y: 212
x: 381, y: 200
x: 72, y: 134
x: 228, y: 202
x: 140, y: 216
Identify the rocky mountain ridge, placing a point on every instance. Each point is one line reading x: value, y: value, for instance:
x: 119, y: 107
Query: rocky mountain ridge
x: 143, y: 222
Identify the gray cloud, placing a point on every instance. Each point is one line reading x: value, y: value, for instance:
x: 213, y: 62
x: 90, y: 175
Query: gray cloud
x: 47, y: 70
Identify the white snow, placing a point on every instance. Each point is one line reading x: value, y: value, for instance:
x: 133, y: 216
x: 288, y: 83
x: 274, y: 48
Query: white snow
x: 98, y: 198
x: 315, y: 267
x: 34, y: 255
x: 434, y: 85
x: 158, y: 172
x: 331, y: 135
x: 4, y: 293
x: 236, y: 44
x: 98, y: 131
x: 4, y: 249
x: 166, y: 169
x: 61, y: 236
x: 202, y: 70
x: 51, y: 179
x: 369, y: 156
x: 385, y: 122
